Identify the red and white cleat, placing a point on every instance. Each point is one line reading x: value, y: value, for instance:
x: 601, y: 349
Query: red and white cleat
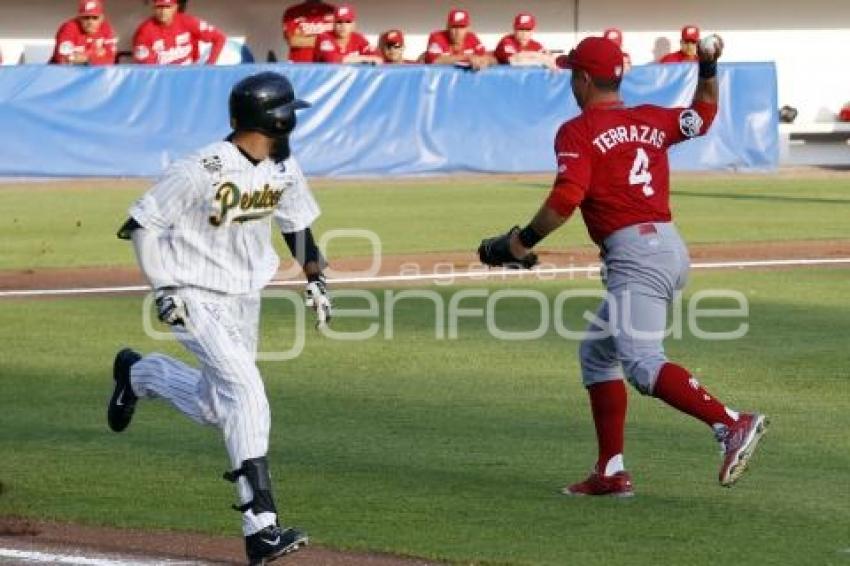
x: 617, y: 485
x: 739, y: 443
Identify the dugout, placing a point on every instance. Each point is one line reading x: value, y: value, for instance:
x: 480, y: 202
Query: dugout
x: 808, y: 45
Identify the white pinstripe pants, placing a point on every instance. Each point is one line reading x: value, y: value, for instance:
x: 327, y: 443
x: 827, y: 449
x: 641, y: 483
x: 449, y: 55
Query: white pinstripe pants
x: 228, y: 390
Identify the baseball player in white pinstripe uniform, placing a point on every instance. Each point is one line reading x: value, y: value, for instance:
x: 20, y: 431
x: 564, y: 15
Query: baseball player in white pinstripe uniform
x: 202, y: 236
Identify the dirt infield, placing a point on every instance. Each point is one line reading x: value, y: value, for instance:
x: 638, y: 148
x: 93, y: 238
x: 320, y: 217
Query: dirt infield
x: 434, y: 263
x: 130, y: 546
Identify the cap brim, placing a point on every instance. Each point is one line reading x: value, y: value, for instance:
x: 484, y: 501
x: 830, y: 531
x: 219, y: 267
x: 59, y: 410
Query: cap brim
x: 563, y: 62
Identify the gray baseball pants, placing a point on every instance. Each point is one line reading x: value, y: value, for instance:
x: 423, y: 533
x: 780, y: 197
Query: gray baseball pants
x: 644, y: 266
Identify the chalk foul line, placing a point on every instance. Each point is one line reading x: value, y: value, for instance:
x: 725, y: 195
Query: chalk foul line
x: 483, y: 275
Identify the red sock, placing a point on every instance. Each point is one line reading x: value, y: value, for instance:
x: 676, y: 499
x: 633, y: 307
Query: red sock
x: 608, y: 403
x: 676, y: 387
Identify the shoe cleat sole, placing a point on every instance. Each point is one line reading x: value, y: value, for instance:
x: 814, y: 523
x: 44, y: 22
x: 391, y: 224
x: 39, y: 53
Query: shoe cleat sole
x: 737, y: 469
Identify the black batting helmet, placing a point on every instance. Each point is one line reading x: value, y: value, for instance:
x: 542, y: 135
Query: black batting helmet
x: 265, y: 103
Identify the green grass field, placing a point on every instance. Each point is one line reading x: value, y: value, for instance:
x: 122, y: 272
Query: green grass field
x: 423, y: 216
x: 449, y: 449
x: 453, y: 449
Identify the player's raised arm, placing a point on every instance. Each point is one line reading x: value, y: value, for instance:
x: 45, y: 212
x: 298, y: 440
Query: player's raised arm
x: 707, y: 93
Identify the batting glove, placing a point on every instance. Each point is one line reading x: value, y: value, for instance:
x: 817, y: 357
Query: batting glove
x: 171, y: 309
x: 316, y: 297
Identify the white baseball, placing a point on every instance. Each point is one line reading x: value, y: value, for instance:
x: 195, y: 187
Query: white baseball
x: 710, y: 44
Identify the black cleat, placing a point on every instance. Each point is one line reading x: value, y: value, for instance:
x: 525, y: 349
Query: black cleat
x: 273, y: 542
x: 123, y: 401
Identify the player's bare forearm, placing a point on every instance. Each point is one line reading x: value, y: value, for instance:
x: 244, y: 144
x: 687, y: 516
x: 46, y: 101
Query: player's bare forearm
x: 312, y: 269
x: 301, y: 40
x: 450, y: 59
x: 303, y: 248
x: 480, y: 62
x: 707, y: 92
x: 546, y: 221
x: 357, y: 58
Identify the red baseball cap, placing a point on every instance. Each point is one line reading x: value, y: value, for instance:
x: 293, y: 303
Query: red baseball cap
x: 393, y: 37
x: 525, y: 21
x: 161, y: 3
x: 345, y: 13
x: 598, y: 56
x: 458, y: 18
x: 90, y: 8
x: 690, y: 33
x: 615, y: 35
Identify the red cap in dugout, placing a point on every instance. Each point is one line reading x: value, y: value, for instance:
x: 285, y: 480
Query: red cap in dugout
x: 690, y: 33
x: 458, y: 18
x: 525, y: 21
x: 599, y: 57
x: 90, y: 8
x: 615, y: 35
x: 163, y: 3
x: 393, y: 37
x: 345, y: 13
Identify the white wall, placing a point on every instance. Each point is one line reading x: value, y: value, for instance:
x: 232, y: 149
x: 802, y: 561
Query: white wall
x: 810, y: 41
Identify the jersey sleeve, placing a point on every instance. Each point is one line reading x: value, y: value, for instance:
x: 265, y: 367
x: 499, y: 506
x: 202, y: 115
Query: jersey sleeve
x: 143, y: 52
x: 65, y: 43
x: 574, y: 157
x: 505, y: 50
x: 363, y: 46
x: 435, y: 48
x: 290, y: 25
x: 169, y: 198
x: 477, y: 47
x: 206, y: 32
x: 297, y: 208
x: 682, y: 124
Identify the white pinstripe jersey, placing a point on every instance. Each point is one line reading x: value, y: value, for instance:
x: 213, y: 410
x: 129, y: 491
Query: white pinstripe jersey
x: 212, y: 211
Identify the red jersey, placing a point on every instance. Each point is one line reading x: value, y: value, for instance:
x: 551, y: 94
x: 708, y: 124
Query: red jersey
x: 440, y: 44
x: 329, y: 50
x: 678, y: 57
x: 509, y: 46
x: 612, y: 162
x: 71, y: 39
x: 176, y: 43
x: 307, y: 18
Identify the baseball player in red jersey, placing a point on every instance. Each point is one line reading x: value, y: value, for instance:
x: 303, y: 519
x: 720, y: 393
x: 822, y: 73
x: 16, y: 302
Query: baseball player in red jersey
x: 171, y: 37
x: 457, y: 44
x: 612, y: 164
x: 687, y: 52
x: 391, y: 47
x: 86, y: 39
x: 344, y: 44
x: 304, y: 22
x: 520, y: 48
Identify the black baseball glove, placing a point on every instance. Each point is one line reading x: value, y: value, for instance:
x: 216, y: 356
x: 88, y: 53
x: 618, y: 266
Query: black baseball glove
x: 496, y: 252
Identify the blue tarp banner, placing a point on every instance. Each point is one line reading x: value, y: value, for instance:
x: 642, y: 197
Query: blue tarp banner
x: 412, y: 119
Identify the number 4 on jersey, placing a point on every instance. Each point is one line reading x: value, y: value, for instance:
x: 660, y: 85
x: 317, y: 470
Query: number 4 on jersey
x: 640, y: 174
